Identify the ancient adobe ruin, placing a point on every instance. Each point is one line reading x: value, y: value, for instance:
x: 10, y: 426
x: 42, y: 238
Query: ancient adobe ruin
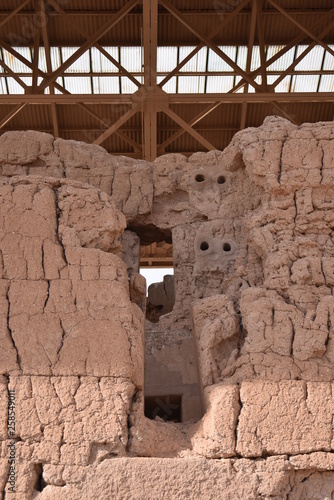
x: 247, y: 348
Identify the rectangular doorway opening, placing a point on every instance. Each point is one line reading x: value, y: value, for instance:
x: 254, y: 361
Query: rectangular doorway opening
x: 169, y: 408
x: 156, y: 265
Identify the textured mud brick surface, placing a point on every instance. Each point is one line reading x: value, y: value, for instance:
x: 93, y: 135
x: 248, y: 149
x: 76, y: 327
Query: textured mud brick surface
x: 246, y: 336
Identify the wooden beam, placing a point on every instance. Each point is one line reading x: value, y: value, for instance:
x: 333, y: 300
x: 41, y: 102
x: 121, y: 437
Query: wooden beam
x: 227, y: 19
x: 107, y: 133
x: 12, y: 113
x: 189, y: 129
x: 90, y: 42
x: 209, y: 43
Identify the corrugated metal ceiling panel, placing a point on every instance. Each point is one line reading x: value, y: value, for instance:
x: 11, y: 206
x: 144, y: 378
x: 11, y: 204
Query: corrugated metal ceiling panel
x: 302, y: 83
x: 80, y: 85
x: 191, y: 84
x: 326, y: 83
x: 329, y: 60
x: 89, y: 16
x: 312, y: 60
x: 106, y: 85
x: 166, y: 58
x: 32, y: 118
x: 284, y: 61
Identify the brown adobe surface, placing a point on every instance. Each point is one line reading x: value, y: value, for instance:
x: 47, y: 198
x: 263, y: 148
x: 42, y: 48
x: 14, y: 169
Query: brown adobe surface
x: 249, y: 341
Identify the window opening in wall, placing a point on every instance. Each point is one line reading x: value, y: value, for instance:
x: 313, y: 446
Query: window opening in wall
x: 156, y: 265
x: 166, y: 407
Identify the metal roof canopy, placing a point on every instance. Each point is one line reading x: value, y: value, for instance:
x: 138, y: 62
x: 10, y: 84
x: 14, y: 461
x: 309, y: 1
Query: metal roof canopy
x: 146, y: 77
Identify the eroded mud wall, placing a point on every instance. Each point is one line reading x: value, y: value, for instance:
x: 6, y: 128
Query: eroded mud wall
x: 249, y: 342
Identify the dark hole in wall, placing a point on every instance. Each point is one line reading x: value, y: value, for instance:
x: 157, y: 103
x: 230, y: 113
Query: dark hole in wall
x: 204, y: 246
x: 199, y: 178
x: 40, y: 483
x: 166, y: 407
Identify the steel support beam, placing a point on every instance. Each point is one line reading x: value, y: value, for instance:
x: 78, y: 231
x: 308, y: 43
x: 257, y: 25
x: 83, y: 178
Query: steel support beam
x: 226, y: 20
x: 189, y: 129
x: 11, y: 114
x: 115, y: 126
x: 113, y: 99
x: 248, y: 61
x: 304, y: 53
x: 47, y: 51
x: 97, y: 45
x: 301, y: 27
x: 89, y: 43
x: 149, y: 107
x: 288, y: 46
x: 192, y: 123
x: 170, y: 7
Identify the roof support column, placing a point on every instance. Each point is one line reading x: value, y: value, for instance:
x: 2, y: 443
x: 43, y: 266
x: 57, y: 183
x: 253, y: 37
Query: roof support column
x: 150, y: 35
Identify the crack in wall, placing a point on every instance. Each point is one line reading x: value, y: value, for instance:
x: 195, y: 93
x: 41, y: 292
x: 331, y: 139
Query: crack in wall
x: 293, y: 337
x: 129, y: 425
x: 62, y: 339
x: 281, y: 160
x: 322, y: 163
x: 47, y: 296
x: 236, y: 428
x: 9, y: 330
x: 296, y: 207
x: 58, y: 215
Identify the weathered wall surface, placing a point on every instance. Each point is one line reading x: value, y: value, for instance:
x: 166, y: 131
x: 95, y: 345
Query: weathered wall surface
x: 71, y: 339
x: 249, y: 341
